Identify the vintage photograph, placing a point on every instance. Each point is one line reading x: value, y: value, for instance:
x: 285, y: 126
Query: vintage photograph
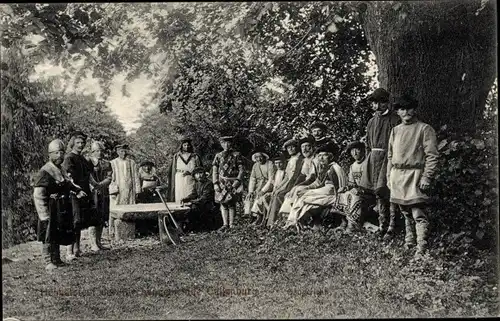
x: 249, y: 160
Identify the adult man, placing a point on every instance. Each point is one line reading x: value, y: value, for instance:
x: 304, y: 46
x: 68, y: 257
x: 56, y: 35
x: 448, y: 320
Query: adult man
x: 292, y: 173
x: 52, y: 188
x: 412, y: 165
x: 125, y: 182
x: 374, y: 175
x: 318, y: 131
x: 323, y: 191
x: 102, y: 175
x: 203, y: 207
x: 79, y: 170
x: 307, y: 174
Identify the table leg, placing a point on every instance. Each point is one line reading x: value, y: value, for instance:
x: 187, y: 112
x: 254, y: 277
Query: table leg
x: 161, y: 229
x: 124, y: 230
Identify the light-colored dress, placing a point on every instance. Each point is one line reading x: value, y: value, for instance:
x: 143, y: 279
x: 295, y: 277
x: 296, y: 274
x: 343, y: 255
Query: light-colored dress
x: 412, y: 157
x: 181, y: 186
x: 322, y: 193
x: 184, y: 185
x: 125, y: 176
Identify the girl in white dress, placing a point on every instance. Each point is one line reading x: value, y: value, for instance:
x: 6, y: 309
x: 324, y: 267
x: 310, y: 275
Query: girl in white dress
x: 181, y: 168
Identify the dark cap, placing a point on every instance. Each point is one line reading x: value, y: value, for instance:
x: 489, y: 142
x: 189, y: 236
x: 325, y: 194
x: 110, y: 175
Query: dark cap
x: 326, y: 148
x: 291, y: 142
x: 78, y: 134
x: 356, y: 144
x: 405, y: 102
x: 319, y: 125
x: 147, y: 163
x: 307, y: 139
x: 198, y: 169
x: 380, y: 95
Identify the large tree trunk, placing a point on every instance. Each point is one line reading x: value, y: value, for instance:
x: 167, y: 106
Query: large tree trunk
x: 444, y: 52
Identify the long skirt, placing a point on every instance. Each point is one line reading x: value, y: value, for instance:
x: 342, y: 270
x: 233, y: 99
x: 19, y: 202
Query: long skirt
x: 184, y: 186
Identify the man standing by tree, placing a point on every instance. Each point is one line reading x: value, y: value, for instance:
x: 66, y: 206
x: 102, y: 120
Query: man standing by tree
x: 374, y: 172
x: 411, y: 167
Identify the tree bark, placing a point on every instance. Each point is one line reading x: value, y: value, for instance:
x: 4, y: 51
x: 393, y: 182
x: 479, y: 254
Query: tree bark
x: 442, y: 52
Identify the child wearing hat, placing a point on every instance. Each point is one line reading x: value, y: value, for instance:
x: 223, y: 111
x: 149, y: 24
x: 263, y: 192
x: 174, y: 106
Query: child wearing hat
x: 412, y: 164
x: 262, y: 172
x: 203, y: 208
x: 227, y: 177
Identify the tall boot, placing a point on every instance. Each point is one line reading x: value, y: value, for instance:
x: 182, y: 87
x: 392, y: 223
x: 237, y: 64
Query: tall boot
x: 93, y: 239
x: 98, y: 231
x: 422, y: 230
x: 392, y: 222
x: 232, y: 211
x: 409, y: 228
x: 382, y: 216
x: 47, y: 256
x: 56, y: 255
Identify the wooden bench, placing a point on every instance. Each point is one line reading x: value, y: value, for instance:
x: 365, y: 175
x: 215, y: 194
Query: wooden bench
x: 126, y: 215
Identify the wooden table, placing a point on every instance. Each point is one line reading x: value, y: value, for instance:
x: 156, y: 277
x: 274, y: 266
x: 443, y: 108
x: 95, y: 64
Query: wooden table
x: 126, y: 215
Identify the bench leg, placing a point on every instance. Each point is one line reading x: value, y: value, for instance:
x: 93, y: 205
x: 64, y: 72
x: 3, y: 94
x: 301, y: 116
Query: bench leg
x: 124, y: 230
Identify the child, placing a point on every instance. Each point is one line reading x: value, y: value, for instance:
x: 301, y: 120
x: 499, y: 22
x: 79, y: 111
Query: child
x: 227, y: 171
x: 149, y: 181
x: 352, y: 197
x: 203, y: 208
x: 412, y: 163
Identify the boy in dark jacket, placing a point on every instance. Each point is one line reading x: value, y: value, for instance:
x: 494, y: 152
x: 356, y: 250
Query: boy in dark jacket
x: 202, y: 213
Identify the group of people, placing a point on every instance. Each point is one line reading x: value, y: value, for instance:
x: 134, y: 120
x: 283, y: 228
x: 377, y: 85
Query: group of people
x: 392, y: 169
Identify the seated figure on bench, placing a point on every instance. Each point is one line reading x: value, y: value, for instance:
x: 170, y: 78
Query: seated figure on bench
x: 322, y: 193
x: 203, y: 212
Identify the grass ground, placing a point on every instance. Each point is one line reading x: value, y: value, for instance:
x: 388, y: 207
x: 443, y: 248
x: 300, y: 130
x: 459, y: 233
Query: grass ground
x: 248, y: 273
